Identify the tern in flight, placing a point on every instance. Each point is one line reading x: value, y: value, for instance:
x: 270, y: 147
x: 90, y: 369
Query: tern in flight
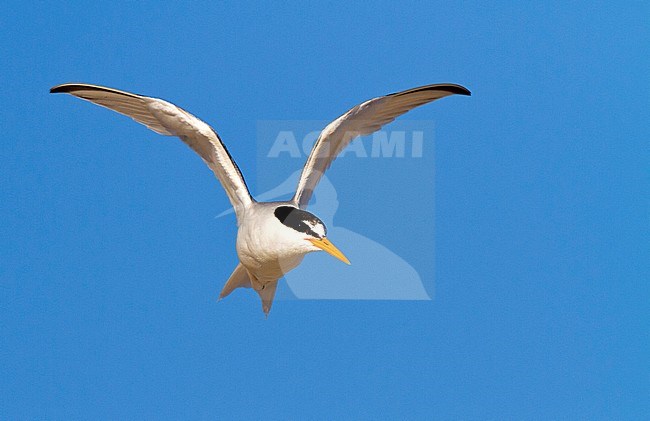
x: 273, y: 237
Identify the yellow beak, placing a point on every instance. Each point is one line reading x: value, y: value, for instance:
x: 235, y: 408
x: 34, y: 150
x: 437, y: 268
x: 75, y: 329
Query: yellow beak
x: 326, y: 245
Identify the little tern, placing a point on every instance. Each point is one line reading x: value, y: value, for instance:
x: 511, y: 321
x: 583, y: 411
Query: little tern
x: 272, y: 237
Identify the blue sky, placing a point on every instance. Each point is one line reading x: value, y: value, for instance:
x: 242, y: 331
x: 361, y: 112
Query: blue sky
x: 111, y: 257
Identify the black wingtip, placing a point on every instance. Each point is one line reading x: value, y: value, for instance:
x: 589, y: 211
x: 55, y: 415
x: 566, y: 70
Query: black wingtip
x: 459, y: 90
x: 72, y: 88
x: 60, y: 88
x: 451, y: 88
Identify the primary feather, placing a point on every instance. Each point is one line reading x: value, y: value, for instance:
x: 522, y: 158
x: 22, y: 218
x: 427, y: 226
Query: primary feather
x: 167, y: 119
x: 362, y: 120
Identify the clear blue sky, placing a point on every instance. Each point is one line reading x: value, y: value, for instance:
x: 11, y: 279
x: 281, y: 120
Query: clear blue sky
x: 111, y: 257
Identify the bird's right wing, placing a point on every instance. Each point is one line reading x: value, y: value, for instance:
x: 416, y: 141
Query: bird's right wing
x: 167, y: 119
x: 362, y: 120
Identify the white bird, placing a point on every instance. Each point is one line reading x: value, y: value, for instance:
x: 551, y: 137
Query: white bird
x: 273, y: 237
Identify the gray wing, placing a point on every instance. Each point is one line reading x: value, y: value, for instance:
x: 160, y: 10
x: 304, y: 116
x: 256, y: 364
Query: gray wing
x: 167, y: 119
x: 362, y: 120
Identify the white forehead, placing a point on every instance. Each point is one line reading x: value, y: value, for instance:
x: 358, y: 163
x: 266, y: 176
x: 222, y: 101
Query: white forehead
x: 316, y: 227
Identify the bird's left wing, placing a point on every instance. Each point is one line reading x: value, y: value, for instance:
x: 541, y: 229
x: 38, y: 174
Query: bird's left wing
x: 167, y: 119
x: 362, y: 120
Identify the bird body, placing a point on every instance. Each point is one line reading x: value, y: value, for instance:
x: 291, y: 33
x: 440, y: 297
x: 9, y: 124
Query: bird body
x: 265, y: 246
x: 273, y: 237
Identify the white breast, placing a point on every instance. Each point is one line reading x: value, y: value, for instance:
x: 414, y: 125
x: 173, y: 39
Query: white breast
x: 266, y: 247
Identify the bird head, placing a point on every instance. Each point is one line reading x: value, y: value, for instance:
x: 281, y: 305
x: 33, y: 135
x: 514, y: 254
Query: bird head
x: 309, y: 230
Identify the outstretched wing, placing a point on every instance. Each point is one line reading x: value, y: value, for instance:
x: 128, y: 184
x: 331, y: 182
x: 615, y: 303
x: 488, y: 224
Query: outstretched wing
x: 167, y: 119
x: 362, y: 120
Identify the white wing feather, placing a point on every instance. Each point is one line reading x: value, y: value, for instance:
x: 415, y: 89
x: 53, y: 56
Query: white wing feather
x: 362, y: 120
x: 167, y: 119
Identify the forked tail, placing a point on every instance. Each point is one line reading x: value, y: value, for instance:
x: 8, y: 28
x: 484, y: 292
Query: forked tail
x: 241, y: 279
x: 238, y: 279
x: 267, y: 293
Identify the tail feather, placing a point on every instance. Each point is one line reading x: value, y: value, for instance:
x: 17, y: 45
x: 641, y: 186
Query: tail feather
x: 238, y: 279
x: 267, y: 293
